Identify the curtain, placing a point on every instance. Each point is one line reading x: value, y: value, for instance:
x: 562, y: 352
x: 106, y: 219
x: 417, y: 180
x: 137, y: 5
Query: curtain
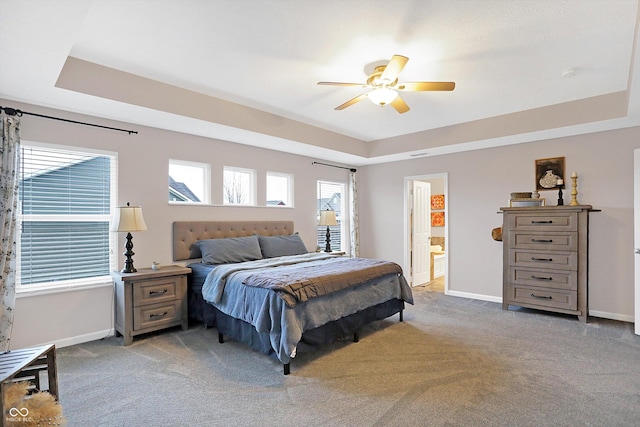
x: 9, y: 179
x: 353, y: 215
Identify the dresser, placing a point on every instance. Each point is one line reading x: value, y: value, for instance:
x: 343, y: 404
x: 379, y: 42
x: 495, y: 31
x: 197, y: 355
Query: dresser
x: 546, y: 258
x: 149, y: 300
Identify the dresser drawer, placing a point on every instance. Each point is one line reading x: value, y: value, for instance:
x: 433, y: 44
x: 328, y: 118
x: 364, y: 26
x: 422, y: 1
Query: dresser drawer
x: 148, y: 316
x: 544, y: 241
x: 543, y: 297
x: 548, y: 279
x: 539, y: 259
x: 154, y: 291
x: 544, y: 221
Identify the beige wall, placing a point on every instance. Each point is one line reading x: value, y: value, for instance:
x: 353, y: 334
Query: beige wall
x: 70, y: 317
x: 479, y: 182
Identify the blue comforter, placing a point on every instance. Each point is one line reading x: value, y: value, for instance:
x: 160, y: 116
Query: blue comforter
x: 268, y: 311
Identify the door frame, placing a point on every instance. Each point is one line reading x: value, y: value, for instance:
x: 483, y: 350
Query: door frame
x: 636, y: 238
x: 407, y: 222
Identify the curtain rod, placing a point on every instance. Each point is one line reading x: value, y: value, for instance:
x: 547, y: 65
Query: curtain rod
x: 335, y: 166
x: 14, y: 112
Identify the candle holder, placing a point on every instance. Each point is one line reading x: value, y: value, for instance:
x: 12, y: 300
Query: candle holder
x: 560, y: 184
x: 574, y: 190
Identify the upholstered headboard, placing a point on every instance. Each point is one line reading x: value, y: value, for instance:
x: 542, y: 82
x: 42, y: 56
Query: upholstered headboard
x: 186, y: 233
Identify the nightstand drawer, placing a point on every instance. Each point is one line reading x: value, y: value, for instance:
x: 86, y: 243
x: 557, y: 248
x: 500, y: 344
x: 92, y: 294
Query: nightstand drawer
x: 544, y: 241
x: 155, y: 315
x: 544, y: 297
x: 154, y: 291
x: 544, y: 260
x: 548, y: 279
x: 544, y: 221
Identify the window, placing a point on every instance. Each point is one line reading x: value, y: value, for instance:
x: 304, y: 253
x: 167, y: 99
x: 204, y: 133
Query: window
x: 331, y: 195
x: 239, y: 186
x: 279, y: 189
x: 65, y: 210
x: 189, y: 182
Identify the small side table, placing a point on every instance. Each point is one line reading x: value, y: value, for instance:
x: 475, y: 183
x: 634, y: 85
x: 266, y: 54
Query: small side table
x: 26, y: 365
x: 149, y: 300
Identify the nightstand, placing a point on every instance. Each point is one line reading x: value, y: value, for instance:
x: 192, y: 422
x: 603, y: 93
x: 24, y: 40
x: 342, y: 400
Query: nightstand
x: 149, y: 300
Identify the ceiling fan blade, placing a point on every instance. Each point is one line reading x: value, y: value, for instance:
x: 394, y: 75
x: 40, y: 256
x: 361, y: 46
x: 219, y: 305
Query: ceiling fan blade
x: 400, y: 105
x: 424, y: 86
x: 351, y: 101
x: 342, y: 84
x: 392, y: 70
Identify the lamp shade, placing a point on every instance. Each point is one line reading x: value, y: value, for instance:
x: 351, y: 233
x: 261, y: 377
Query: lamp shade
x: 129, y: 218
x: 328, y: 217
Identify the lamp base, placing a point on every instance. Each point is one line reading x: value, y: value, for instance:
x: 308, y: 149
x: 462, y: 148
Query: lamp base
x: 327, y: 247
x: 128, y: 253
x: 128, y: 269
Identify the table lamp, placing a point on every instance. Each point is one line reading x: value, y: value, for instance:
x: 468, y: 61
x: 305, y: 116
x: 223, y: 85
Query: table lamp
x: 328, y: 218
x: 129, y: 218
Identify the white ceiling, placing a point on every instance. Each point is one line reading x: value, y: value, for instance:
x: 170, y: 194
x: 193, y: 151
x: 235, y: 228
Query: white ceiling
x: 246, y: 70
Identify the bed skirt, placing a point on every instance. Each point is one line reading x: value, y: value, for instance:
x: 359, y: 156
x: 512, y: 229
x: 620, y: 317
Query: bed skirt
x: 199, y: 310
x: 244, y: 332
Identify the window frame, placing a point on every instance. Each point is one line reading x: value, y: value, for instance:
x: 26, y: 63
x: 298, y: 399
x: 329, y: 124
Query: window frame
x: 252, y: 185
x: 343, y: 216
x: 206, y: 184
x: 77, y: 283
x: 289, y: 177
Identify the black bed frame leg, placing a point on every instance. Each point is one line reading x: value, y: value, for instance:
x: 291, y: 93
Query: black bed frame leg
x: 220, y: 338
x: 286, y: 368
x: 356, y: 337
x: 401, y: 315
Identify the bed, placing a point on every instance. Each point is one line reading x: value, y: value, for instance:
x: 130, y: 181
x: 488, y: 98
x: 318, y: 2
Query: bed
x: 257, y: 284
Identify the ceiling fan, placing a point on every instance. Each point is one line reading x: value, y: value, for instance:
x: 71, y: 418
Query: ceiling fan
x: 384, y: 86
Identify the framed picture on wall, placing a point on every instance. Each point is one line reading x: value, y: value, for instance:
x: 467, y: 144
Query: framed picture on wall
x: 549, y: 173
x: 437, y: 219
x: 437, y: 201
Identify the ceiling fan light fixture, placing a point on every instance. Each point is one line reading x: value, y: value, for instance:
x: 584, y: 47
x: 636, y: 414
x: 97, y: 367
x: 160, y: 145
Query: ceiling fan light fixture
x: 382, y: 96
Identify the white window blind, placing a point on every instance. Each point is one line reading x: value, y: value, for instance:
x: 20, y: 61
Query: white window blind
x: 65, y: 206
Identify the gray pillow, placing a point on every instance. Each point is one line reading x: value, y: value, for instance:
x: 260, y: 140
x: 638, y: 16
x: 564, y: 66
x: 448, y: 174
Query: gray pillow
x: 232, y: 249
x: 273, y: 246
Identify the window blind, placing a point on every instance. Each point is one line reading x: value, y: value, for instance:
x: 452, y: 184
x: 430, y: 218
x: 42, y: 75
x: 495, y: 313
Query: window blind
x: 65, y: 200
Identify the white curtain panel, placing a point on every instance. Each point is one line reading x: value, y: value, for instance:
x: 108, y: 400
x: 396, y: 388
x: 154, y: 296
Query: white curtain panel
x: 9, y: 179
x: 353, y: 215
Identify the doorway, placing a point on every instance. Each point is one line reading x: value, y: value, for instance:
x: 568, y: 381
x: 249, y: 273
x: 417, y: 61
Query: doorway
x: 426, y: 195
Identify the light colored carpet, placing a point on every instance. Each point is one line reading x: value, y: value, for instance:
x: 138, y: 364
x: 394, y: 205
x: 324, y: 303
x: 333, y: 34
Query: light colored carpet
x: 453, y: 362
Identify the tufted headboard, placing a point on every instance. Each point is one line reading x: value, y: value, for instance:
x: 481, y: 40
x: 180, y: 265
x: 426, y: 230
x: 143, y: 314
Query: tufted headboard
x: 186, y: 233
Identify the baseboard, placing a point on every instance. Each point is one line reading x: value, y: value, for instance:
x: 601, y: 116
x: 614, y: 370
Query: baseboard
x: 468, y: 295
x: 593, y: 313
x: 612, y: 316
x: 79, y: 339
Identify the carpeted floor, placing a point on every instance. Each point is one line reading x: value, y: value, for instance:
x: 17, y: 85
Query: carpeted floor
x: 452, y: 362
